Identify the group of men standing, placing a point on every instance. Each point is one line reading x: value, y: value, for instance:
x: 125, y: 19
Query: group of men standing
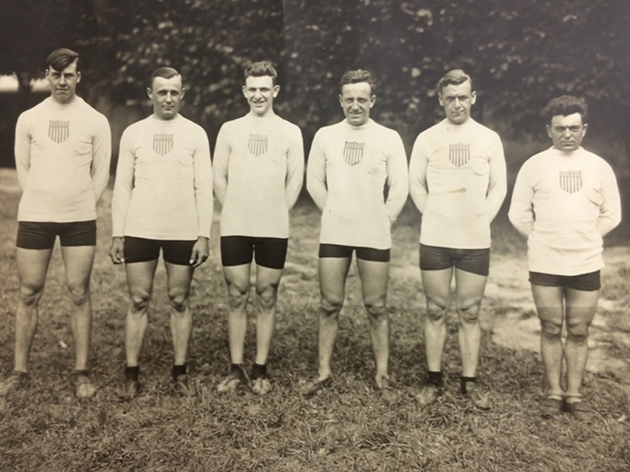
x: 565, y: 200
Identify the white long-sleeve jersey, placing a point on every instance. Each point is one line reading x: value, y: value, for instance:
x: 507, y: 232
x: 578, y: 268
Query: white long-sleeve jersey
x: 163, y: 186
x: 62, y: 157
x: 348, y: 167
x: 564, y: 204
x: 457, y: 179
x: 258, y: 173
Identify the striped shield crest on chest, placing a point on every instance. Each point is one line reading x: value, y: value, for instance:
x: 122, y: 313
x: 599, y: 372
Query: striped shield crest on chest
x: 162, y: 143
x: 58, y: 131
x: 571, y: 180
x: 459, y: 154
x: 257, y: 144
x: 353, y: 152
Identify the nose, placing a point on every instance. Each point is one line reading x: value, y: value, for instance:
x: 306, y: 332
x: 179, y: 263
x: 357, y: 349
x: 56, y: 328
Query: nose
x: 457, y: 103
x: 566, y: 133
x: 169, y: 97
x: 62, y: 79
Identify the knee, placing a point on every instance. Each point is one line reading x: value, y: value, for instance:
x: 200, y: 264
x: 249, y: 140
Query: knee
x: 140, y: 301
x: 330, y: 306
x: 578, y: 332
x: 237, y: 295
x: 178, y: 300
x: 31, y: 293
x: 376, y: 310
x: 468, y: 315
x: 550, y: 329
x: 436, y: 309
x: 79, y: 294
x: 267, y: 296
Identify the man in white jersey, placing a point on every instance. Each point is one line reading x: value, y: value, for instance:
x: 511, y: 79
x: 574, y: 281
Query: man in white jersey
x: 62, y: 156
x: 457, y: 179
x: 348, y: 166
x: 565, y: 200
x: 258, y: 174
x: 162, y: 200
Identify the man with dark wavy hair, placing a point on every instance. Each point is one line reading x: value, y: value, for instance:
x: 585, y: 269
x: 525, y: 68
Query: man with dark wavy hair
x: 62, y: 156
x: 565, y: 200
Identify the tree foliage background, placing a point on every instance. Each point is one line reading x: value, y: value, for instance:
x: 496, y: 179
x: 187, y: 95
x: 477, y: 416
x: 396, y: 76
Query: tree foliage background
x: 520, y: 54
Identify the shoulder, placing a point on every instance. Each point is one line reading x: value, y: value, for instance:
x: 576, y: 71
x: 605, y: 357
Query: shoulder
x: 484, y: 131
x: 326, y: 131
x: 90, y: 111
x: 287, y: 125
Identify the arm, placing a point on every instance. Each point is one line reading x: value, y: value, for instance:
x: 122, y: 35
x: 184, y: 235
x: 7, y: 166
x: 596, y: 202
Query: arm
x: 203, y: 199
x: 497, y: 188
x: 316, y: 173
x: 121, y: 197
x: 220, y: 165
x: 418, y: 187
x: 295, y: 169
x: 101, y: 158
x: 610, y: 209
x: 521, y: 213
x: 22, y: 151
x: 397, y: 178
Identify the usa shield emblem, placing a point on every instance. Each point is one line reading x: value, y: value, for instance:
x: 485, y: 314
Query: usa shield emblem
x: 571, y: 180
x: 162, y: 143
x: 459, y: 154
x: 58, y: 131
x: 353, y: 152
x: 257, y: 144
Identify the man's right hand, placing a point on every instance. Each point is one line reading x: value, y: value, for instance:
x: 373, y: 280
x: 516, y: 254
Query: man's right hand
x: 116, y: 251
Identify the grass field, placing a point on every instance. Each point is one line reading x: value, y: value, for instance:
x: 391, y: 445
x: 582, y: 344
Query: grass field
x: 44, y: 428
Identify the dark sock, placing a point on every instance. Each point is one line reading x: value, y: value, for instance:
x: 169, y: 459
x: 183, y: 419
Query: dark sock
x: 236, y: 368
x: 259, y: 370
x: 132, y: 373
x: 462, y: 383
x: 435, y: 378
x: 178, y: 370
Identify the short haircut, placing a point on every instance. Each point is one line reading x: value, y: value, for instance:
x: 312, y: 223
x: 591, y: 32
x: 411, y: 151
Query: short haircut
x: 563, y: 106
x: 453, y: 77
x: 261, y: 69
x: 357, y: 76
x: 61, y: 58
x: 164, y: 72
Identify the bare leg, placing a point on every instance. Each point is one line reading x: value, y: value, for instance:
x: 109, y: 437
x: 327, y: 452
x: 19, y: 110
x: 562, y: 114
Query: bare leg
x: 32, y: 266
x: 237, y: 278
x: 267, y: 281
x: 179, y: 280
x: 332, y: 280
x: 374, y: 277
x: 140, y: 280
x: 470, y: 289
x: 549, y: 304
x: 437, y: 289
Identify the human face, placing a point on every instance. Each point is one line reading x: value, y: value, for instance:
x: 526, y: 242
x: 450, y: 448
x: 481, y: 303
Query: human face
x: 260, y: 92
x: 567, y: 132
x: 457, y: 101
x: 63, y: 84
x: 166, y: 96
x: 356, y: 101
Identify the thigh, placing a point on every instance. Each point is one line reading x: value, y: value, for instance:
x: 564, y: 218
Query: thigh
x: 236, y: 251
x: 470, y: 288
x: 549, y: 303
x: 266, y: 277
x: 581, y: 306
x: 271, y: 252
x: 140, y: 277
x: 78, y: 261
x: 32, y: 265
x: 237, y: 276
x: 36, y: 236
x: 374, y: 277
x: 177, y: 252
x: 332, y: 277
x: 80, y: 233
x: 437, y: 286
x: 179, y: 278
x: 137, y: 250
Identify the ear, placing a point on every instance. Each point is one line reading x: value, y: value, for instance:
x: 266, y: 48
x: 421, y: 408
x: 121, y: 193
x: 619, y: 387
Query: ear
x: 181, y: 97
x: 548, y: 131
x: 276, y: 90
x: 340, y: 101
x: 78, y: 76
x: 584, y: 129
x: 244, y: 89
x: 150, y: 93
x: 440, y: 100
x: 372, y: 100
x: 473, y: 97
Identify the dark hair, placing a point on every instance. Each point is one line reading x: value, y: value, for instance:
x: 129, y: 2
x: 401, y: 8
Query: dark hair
x: 565, y: 105
x: 453, y: 77
x: 61, y: 58
x: 261, y: 69
x: 357, y: 76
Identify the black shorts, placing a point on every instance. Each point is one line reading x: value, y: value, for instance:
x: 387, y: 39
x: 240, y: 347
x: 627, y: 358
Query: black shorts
x: 585, y: 282
x: 364, y: 253
x: 476, y: 261
x: 35, y: 235
x: 145, y: 250
x: 240, y: 250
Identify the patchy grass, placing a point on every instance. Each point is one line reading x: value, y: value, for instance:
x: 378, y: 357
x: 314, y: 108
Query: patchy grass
x: 347, y: 428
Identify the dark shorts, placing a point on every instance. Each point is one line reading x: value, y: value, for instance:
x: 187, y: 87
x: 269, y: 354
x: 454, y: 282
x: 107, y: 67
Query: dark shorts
x: 35, y: 235
x: 586, y: 282
x: 145, y: 250
x: 476, y: 261
x: 364, y: 253
x: 240, y: 250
